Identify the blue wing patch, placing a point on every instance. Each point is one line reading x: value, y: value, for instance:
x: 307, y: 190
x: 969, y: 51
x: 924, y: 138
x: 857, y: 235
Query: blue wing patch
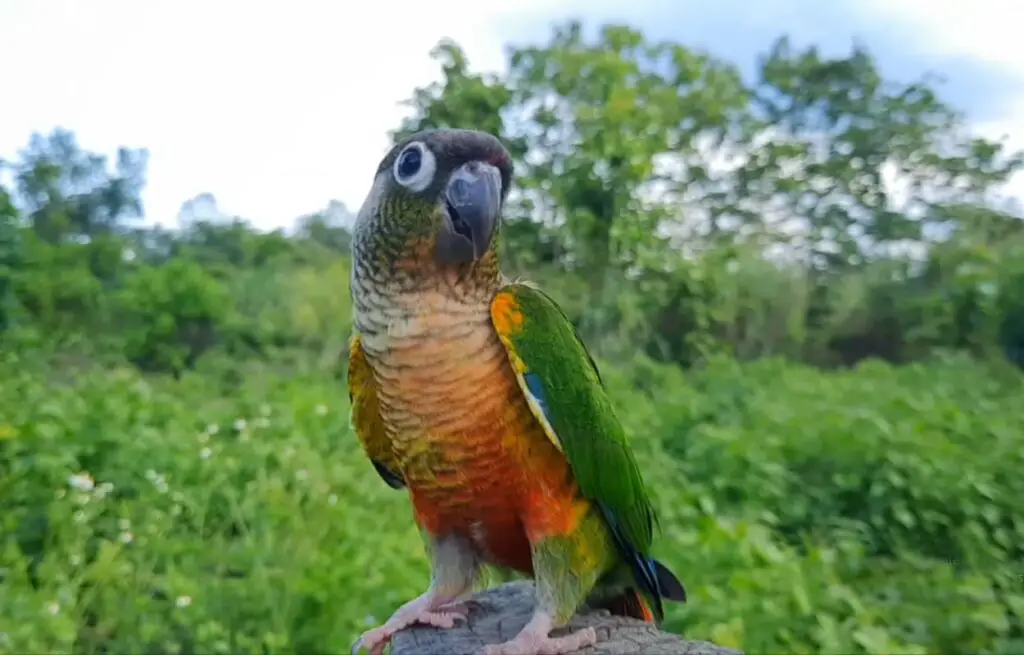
x: 536, y: 389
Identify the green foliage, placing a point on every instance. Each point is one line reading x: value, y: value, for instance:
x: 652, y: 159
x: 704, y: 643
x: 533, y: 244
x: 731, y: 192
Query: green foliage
x: 296, y: 308
x: 651, y: 169
x: 870, y: 511
x: 673, y: 206
x: 174, y: 313
x: 55, y: 284
x: 10, y: 257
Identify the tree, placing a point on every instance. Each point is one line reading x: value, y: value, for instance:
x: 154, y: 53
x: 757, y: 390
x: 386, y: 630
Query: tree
x: 831, y: 141
x: 635, y: 157
x: 201, y: 208
x: 329, y: 227
x: 10, y: 256
x: 588, y: 161
x: 66, y: 191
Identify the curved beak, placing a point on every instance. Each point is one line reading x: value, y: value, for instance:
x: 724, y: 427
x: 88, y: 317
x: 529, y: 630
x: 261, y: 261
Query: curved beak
x: 473, y: 203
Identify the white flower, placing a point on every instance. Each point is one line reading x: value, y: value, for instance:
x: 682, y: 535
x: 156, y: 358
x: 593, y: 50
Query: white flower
x: 183, y: 601
x: 205, y: 453
x: 157, y: 480
x: 127, y: 537
x: 53, y: 607
x: 321, y: 410
x: 212, y: 429
x: 81, y: 481
x: 332, y: 499
x: 240, y: 424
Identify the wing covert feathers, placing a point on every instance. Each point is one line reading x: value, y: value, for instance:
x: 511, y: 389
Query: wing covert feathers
x: 558, y: 376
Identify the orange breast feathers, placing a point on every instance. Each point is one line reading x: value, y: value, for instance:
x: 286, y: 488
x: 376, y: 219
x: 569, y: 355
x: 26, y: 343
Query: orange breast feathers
x: 496, y: 478
x: 457, y: 428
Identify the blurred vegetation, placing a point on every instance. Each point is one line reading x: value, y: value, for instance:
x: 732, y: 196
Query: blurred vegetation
x: 805, y: 291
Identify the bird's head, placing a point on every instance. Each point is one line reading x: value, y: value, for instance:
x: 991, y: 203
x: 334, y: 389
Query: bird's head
x: 435, y: 206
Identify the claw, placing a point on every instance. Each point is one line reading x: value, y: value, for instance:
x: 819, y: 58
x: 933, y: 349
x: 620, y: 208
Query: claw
x: 529, y: 644
x: 427, y: 609
x: 460, y: 609
x: 533, y: 639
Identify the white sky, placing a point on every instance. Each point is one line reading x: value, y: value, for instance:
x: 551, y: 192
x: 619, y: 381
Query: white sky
x: 278, y: 107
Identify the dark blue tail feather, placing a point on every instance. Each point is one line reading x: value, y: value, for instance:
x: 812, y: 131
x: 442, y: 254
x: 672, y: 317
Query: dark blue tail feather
x: 654, y: 578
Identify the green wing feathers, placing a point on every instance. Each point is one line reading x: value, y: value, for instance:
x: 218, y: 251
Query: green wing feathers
x: 564, y: 388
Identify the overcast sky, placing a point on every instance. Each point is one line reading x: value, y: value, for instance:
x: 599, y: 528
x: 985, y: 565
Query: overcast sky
x: 277, y: 107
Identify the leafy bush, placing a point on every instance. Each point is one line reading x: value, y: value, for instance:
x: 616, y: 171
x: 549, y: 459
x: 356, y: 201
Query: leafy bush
x: 56, y: 287
x: 867, y: 511
x: 173, y: 314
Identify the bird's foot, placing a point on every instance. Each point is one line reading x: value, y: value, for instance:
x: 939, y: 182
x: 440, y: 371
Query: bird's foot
x: 533, y: 639
x: 428, y: 609
x: 458, y: 608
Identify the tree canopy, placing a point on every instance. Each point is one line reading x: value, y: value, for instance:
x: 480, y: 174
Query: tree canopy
x: 819, y: 210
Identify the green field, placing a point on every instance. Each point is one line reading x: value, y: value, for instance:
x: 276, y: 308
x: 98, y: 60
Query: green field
x: 864, y: 511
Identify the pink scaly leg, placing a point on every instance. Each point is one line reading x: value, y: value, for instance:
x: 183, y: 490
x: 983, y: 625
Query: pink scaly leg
x: 430, y: 608
x: 454, y: 567
x: 559, y: 592
x: 533, y: 639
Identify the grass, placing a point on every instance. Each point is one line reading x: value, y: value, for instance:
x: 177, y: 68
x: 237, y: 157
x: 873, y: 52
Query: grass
x: 874, y: 510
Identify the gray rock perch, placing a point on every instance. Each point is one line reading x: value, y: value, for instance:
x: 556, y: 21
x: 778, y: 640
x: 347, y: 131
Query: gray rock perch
x: 498, y: 614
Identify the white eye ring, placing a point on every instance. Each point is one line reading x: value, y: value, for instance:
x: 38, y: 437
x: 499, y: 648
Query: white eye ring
x: 415, y: 167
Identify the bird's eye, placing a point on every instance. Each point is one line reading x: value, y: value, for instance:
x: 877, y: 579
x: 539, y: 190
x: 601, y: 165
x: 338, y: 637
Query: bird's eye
x: 409, y: 163
x: 415, y: 166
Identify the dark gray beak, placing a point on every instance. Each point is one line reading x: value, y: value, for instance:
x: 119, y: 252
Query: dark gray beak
x: 473, y: 202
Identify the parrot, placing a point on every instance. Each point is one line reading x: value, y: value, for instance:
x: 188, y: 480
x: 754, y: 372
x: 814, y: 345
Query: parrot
x: 475, y: 394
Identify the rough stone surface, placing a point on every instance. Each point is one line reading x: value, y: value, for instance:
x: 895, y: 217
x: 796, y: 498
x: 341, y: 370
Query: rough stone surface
x: 498, y: 614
